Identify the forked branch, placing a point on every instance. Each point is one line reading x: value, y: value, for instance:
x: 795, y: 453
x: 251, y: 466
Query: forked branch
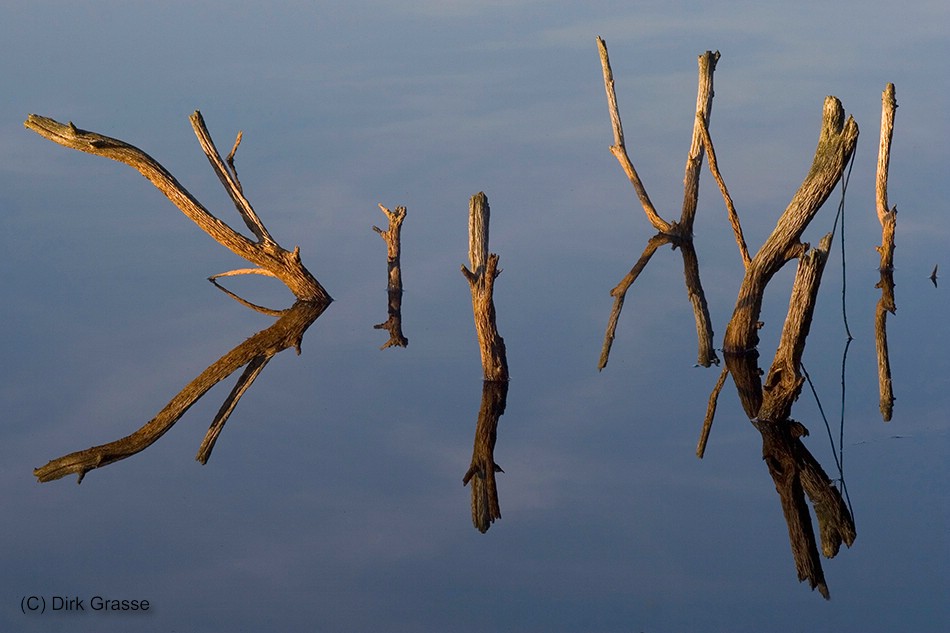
x: 835, y: 145
x: 264, y: 252
x: 679, y: 234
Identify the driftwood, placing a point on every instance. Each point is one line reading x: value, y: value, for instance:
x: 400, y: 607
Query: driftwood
x: 481, y: 279
x: 481, y: 473
x: 888, y: 219
x: 835, y: 145
x: 677, y: 234
x: 792, y: 467
x: 269, y: 257
x: 794, y: 470
x: 255, y: 353
x: 394, y: 286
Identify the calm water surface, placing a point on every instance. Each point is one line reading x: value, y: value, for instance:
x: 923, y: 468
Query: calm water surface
x: 333, y: 500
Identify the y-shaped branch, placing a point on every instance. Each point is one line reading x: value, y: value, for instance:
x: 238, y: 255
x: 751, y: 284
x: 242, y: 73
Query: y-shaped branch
x: 835, y: 146
x: 680, y: 234
x: 265, y: 253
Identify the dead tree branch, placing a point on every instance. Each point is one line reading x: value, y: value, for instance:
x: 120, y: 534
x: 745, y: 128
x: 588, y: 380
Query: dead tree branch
x: 730, y: 207
x: 394, y: 286
x: 679, y: 234
x: 265, y: 252
x: 794, y: 470
x: 835, y: 146
x: 888, y: 219
x: 619, y: 148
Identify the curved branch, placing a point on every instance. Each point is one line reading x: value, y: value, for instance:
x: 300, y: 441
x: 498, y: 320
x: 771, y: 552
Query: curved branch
x: 256, y: 351
x: 835, y: 145
x: 285, y: 265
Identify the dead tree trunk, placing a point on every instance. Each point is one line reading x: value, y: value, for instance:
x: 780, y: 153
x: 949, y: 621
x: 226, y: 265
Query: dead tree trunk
x: 835, y: 146
x: 394, y: 287
x: 678, y: 234
x: 481, y: 279
x: 888, y: 219
x: 267, y: 254
x: 793, y: 469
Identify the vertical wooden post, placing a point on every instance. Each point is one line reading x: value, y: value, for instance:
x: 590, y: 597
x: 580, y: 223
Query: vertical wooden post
x: 888, y: 218
x: 392, y: 238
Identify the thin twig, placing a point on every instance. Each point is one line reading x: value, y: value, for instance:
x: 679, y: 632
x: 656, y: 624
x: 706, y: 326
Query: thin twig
x: 619, y: 293
x: 730, y: 207
x: 230, y: 160
x: 619, y: 149
x: 285, y: 265
x: 230, y: 183
x: 711, y: 413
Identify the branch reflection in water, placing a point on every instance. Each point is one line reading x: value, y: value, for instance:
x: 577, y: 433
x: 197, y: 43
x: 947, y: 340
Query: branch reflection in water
x: 393, y: 324
x: 794, y: 470
x: 254, y: 353
x: 481, y: 474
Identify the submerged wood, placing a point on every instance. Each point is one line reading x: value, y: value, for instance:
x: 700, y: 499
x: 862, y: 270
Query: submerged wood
x: 678, y: 234
x: 394, y: 286
x: 264, y: 252
x: 255, y: 352
x: 481, y: 472
x: 888, y: 219
x: 794, y: 470
x: 481, y: 279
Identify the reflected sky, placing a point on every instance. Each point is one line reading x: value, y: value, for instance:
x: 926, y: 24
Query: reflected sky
x: 334, y: 499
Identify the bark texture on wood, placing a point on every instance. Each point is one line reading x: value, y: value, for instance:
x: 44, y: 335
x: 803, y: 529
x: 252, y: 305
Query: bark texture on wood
x: 255, y: 352
x: 794, y: 470
x: 394, y: 286
x: 481, y: 278
x: 888, y: 219
x: 679, y: 234
x: 784, y: 381
x: 835, y: 145
x: 481, y: 473
x: 264, y: 252
x: 730, y: 206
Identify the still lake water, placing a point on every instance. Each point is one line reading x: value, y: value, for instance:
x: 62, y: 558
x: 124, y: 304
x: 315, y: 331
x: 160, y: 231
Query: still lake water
x: 333, y: 500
